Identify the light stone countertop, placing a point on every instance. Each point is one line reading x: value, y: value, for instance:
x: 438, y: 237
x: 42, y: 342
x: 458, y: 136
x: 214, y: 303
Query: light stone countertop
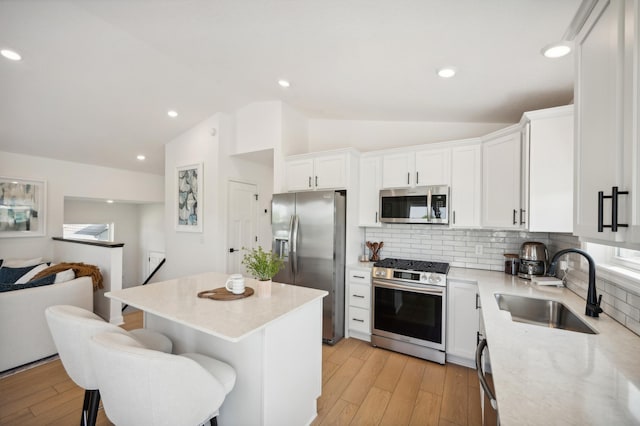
x: 232, y: 320
x: 545, y: 376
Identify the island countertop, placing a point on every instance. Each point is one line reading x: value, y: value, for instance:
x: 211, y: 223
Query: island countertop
x: 231, y: 320
x: 551, y: 376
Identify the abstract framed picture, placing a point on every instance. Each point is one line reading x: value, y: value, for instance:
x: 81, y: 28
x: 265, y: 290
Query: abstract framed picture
x: 22, y: 207
x: 189, y: 193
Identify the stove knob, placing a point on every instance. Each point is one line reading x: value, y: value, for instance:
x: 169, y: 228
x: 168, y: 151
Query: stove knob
x: 424, y: 277
x: 434, y: 279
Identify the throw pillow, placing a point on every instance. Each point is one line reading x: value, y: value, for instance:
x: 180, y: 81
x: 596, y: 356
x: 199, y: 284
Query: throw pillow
x: 31, y: 273
x: 12, y: 275
x: 21, y: 263
x: 60, y: 277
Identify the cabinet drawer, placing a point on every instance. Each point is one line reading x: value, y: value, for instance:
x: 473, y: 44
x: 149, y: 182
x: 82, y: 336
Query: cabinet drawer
x: 359, y: 320
x: 360, y: 276
x: 360, y: 296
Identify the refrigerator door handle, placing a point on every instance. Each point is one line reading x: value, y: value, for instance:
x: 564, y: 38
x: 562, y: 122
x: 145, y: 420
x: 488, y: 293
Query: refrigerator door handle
x: 294, y: 243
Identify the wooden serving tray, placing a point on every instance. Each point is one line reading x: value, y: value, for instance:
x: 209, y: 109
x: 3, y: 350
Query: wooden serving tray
x: 223, y: 294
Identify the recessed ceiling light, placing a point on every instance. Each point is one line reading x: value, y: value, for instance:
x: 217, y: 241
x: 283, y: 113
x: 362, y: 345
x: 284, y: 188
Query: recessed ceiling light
x: 556, y: 50
x: 10, y: 54
x: 447, y: 72
x: 141, y: 157
x: 284, y: 83
x: 109, y: 201
x: 172, y: 114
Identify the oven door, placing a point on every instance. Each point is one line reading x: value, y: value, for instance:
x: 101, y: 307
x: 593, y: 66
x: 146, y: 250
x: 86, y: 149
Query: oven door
x: 408, y: 313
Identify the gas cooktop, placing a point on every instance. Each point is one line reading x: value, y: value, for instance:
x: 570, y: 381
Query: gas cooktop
x: 413, y: 265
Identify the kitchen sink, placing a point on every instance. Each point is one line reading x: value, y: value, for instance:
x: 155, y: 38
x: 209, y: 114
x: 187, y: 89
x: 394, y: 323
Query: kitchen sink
x: 542, y: 312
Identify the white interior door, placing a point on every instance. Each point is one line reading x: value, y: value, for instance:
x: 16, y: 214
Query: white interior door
x: 242, y: 223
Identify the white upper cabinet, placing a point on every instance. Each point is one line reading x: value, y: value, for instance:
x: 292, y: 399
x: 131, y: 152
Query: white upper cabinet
x: 316, y: 172
x: 547, y: 202
x: 370, y: 183
x: 416, y: 168
x: 501, y: 179
x: 466, y: 188
x: 606, y: 96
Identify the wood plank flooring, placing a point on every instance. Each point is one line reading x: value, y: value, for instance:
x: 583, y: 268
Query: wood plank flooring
x: 361, y: 386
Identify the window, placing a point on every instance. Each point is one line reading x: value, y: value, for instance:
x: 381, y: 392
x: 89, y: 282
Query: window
x: 627, y: 258
x: 88, y: 231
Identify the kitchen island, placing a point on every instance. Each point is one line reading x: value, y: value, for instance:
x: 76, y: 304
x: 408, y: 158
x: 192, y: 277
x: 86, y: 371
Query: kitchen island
x: 274, y: 344
x: 552, y: 376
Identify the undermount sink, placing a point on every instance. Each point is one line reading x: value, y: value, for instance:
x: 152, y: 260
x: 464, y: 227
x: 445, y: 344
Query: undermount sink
x: 542, y: 312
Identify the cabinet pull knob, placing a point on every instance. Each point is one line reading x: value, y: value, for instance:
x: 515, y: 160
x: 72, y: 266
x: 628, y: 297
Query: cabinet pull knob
x: 316, y: 180
x: 359, y: 276
x: 357, y: 319
x: 417, y: 178
x: 376, y: 217
x: 522, y: 221
x: 614, y: 210
x: 515, y: 213
x: 454, y: 217
x: 359, y: 296
x: 309, y: 181
x: 408, y: 177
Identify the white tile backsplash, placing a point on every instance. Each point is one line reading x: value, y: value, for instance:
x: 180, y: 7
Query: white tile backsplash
x: 455, y: 246
x: 458, y: 248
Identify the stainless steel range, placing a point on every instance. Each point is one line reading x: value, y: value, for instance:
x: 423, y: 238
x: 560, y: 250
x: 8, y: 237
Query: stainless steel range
x: 410, y: 307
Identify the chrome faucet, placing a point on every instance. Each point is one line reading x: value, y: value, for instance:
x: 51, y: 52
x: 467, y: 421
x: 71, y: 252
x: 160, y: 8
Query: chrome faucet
x: 593, y: 301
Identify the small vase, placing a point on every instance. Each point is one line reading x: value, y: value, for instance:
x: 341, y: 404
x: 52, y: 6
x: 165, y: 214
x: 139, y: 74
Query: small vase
x: 264, y: 289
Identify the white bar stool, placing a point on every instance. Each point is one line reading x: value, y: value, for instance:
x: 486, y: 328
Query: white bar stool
x: 71, y: 328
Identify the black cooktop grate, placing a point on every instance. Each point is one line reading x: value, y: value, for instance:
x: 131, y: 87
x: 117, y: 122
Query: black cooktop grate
x: 413, y: 265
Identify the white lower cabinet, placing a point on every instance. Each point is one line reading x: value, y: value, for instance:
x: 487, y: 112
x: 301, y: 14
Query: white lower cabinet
x: 358, y: 306
x: 463, y: 322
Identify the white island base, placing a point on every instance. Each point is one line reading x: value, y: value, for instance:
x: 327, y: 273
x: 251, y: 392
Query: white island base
x: 274, y: 344
x: 278, y: 378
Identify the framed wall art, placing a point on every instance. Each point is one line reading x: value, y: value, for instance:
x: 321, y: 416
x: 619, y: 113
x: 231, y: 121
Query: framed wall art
x: 189, y: 195
x: 22, y: 207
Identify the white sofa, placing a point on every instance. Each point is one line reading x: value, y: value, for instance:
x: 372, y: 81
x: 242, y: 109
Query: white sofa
x: 24, y: 334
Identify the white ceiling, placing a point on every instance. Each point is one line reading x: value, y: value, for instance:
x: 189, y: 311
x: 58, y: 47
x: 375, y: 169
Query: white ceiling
x: 98, y: 76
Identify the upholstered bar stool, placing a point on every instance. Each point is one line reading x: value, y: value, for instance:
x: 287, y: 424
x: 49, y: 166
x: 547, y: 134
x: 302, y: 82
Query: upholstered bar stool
x: 71, y: 328
x: 142, y: 387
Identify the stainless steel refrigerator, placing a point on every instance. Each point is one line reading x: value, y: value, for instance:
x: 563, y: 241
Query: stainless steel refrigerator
x: 309, y: 234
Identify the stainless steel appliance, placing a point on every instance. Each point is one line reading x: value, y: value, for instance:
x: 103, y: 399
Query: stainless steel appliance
x: 533, y: 259
x: 426, y: 204
x: 409, y: 307
x: 309, y: 234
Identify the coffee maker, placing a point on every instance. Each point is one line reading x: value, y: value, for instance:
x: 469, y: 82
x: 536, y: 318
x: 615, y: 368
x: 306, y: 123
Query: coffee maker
x: 533, y: 259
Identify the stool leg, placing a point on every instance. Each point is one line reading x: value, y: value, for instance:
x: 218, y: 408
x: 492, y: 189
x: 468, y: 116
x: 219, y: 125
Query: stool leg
x: 94, y: 404
x: 85, y: 407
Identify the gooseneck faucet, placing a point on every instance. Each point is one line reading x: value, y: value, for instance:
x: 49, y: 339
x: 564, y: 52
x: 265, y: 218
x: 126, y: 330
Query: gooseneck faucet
x: 593, y: 301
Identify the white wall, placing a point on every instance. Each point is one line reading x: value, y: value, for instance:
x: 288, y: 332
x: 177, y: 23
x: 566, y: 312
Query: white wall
x: 375, y: 135
x: 70, y: 179
x: 190, y: 253
x: 127, y: 221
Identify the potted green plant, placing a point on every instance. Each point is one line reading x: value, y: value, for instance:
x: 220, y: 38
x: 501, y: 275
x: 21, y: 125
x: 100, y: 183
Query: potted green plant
x: 263, y: 265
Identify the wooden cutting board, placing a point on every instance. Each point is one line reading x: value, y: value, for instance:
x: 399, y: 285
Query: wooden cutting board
x: 223, y: 294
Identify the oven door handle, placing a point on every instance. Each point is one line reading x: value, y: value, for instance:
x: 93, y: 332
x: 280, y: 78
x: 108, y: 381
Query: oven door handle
x: 395, y: 286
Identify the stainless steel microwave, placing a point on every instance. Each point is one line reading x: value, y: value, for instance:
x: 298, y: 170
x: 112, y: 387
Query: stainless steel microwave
x: 424, y: 204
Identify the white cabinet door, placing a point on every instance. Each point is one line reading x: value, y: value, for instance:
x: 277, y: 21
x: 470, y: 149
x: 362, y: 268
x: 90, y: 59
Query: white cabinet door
x: 462, y: 322
x: 300, y: 175
x: 369, y: 191
x: 600, y: 148
x: 398, y: 170
x: 501, y: 181
x: 433, y: 167
x: 317, y: 172
x: 466, y: 188
x: 330, y: 172
x: 550, y: 176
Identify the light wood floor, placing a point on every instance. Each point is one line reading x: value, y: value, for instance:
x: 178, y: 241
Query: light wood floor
x: 361, y: 386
